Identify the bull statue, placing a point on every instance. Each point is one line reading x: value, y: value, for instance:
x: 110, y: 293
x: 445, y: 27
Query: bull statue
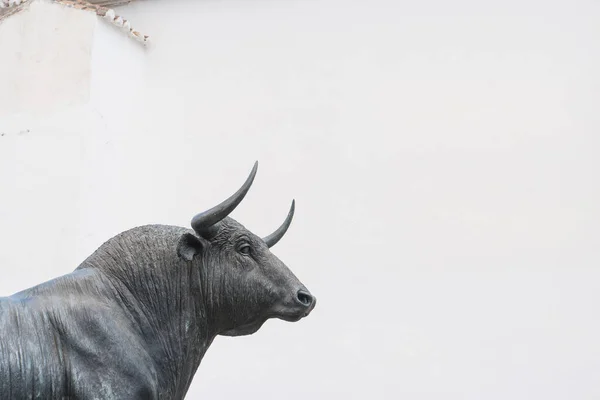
x: 135, y: 319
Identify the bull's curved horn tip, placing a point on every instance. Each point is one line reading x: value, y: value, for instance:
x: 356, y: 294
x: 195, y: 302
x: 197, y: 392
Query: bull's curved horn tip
x: 274, y: 237
x: 204, y: 221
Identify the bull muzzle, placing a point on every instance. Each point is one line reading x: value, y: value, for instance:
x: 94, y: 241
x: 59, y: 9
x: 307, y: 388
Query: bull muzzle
x: 304, y: 303
x: 306, y: 300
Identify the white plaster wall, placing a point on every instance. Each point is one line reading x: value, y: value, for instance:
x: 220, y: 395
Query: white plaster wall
x: 45, y: 61
x: 444, y: 159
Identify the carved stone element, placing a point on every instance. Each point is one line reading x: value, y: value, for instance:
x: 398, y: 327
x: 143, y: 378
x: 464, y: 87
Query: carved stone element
x: 100, y: 7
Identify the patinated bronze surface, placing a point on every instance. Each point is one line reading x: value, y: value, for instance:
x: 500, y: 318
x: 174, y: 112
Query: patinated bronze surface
x: 134, y: 320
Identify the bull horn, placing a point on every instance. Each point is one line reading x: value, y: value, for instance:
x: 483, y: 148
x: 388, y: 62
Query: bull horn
x: 202, y: 222
x: 274, y: 237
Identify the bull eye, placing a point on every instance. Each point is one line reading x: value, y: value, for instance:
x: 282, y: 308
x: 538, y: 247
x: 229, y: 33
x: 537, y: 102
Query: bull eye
x: 244, y: 249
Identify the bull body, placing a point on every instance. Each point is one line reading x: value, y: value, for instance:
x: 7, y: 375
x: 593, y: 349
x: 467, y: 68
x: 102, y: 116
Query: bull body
x: 134, y: 320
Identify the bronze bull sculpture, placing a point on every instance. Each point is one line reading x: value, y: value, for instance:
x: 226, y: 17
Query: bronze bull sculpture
x: 135, y: 319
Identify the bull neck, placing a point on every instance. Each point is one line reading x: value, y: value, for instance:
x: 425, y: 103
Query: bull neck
x: 163, y: 296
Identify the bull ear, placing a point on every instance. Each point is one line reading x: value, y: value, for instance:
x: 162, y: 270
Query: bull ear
x: 189, y: 246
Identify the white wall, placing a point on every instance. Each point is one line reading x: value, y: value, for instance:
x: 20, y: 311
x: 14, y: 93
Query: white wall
x: 443, y: 156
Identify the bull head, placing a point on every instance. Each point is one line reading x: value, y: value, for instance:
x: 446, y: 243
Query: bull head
x: 248, y: 283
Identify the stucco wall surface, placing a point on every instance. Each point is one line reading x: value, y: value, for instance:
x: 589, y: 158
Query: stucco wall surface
x: 443, y: 156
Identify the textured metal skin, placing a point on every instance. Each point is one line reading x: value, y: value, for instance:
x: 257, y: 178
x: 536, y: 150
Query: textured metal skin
x: 135, y: 319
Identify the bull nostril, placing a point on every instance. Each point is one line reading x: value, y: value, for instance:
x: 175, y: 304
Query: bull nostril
x: 304, y: 298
